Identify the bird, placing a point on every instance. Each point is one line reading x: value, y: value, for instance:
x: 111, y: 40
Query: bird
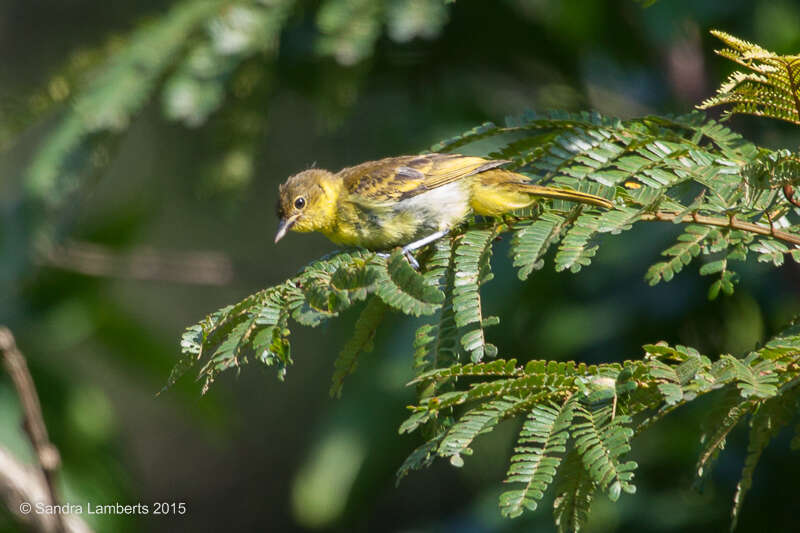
x: 407, y: 201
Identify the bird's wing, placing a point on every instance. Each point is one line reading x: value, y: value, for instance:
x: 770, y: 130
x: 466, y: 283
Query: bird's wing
x: 398, y: 178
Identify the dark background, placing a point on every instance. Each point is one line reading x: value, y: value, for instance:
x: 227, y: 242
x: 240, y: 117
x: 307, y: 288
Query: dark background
x: 257, y: 454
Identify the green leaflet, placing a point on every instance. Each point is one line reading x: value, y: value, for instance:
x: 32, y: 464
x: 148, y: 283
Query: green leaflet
x: 772, y: 169
x: 680, y: 373
x: 360, y: 342
x: 191, y: 347
x: 769, y: 89
x: 668, y: 383
x: 405, y: 289
x: 475, y: 422
x: 600, y: 439
x: 574, y: 493
x: 437, y: 344
x: 756, y: 378
x: 719, y: 424
x: 765, y: 423
x: 538, y: 378
x: 530, y: 244
x: 498, y: 367
x: 770, y: 251
x: 471, y: 270
x: 785, y: 346
x: 575, y: 251
x: 329, y: 286
x: 259, y: 330
x: 420, y: 458
x: 688, y: 247
x: 537, y: 455
x: 487, y: 129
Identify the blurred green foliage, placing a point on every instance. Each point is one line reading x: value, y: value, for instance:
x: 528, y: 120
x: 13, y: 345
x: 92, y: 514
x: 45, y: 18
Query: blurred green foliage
x: 132, y: 124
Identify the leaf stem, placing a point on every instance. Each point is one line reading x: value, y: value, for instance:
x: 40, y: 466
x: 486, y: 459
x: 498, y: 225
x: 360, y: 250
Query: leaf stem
x: 46, y: 453
x: 730, y: 222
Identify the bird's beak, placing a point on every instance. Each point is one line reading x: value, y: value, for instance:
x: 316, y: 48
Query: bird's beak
x: 284, y: 225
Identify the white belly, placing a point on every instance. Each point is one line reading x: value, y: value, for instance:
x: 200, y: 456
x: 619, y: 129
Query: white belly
x: 441, y: 208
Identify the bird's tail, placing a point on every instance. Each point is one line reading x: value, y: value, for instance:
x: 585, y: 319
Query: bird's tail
x: 564, y: 194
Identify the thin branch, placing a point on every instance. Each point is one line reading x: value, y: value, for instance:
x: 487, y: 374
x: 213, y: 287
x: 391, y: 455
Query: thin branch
x: 198, y: 267
x: 731, y: 222
x: 21, y: 486
x: 46, y: 453
x: 788, y: 193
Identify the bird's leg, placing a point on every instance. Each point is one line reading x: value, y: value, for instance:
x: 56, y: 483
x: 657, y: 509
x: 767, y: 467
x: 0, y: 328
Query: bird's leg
x: 412, y: 261
x: 408, y: 248
x: 425, y: 240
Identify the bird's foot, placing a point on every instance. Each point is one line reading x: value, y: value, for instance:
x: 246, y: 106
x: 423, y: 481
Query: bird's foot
x: 410, y: 247
x: 411, y: 259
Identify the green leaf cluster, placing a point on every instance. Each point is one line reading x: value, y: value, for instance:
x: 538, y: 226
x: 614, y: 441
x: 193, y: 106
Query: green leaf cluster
x: 769, y: 87
x: 578, y: 420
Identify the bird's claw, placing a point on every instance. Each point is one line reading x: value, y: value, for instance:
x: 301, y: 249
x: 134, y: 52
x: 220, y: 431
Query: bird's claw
x: 411, y: 259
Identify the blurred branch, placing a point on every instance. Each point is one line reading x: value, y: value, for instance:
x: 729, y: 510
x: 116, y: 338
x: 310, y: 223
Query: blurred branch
x: 200, y: 268
x: 21, y: 484
x: 46, y: 453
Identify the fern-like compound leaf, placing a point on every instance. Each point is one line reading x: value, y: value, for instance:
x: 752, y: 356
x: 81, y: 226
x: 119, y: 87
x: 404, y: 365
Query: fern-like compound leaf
x: 472, y: 269
x: 496, y: 368
x: 689, y: 246
x: 574, y: 493
x: 719, y: 424
x: 601, y: 439
x: 755, y: 377
x: 436, y: 345
x: 771, y: 416
x: 530, y: 244
x: 475, y: 422
x: 770, y: 88
x: 575, y: 250
x: 652, y: 168
x: 477, y: 133
x: 537, y: 455
x: 361, y: 342
x: 405, y: 289
x: 421, y: 457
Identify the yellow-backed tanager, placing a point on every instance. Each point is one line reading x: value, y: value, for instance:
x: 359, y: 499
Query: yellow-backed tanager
x: 406, y: 201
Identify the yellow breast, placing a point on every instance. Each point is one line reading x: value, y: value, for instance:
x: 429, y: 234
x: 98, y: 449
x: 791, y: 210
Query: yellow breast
x: 380, y: 226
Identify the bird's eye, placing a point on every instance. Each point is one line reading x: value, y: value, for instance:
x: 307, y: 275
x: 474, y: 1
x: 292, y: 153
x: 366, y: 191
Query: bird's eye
x: 299, y: 202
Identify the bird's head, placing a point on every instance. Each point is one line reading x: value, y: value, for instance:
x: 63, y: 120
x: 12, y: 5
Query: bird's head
x: 307, y: 202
